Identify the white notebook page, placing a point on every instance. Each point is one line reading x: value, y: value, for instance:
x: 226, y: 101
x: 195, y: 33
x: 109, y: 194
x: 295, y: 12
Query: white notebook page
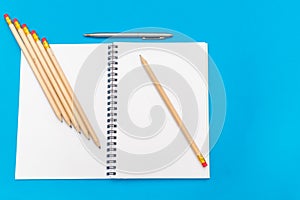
x: 47, y: 148
x: 149, y: 143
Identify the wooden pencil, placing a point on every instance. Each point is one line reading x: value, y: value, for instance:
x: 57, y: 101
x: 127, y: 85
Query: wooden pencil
x: 53, y: 82
x: 67, y: 85
x: 173, y: 112
x: 33, y: 66
x: 41, y: 71
x: 60, y: 83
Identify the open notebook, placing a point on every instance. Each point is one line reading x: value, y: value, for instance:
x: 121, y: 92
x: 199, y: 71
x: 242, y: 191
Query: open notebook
x: 139, y: 137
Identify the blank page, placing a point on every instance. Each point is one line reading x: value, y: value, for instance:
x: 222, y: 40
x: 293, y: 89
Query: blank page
x: 149, y: 142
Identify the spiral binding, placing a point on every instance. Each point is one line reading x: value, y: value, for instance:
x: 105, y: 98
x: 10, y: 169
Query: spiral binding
x: 112, y: 110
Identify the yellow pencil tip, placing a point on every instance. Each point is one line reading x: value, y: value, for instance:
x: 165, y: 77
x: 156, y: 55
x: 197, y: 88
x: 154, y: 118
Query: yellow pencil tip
x: 8, y: 20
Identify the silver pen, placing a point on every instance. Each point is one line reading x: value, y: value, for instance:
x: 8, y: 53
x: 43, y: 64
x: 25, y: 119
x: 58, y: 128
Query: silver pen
x: 144, y: 36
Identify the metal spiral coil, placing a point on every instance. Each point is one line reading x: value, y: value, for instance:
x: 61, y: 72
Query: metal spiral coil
x: 112, y: 110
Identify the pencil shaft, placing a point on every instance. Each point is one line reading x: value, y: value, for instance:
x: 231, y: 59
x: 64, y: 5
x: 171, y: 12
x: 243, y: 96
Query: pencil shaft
x: 77, y: 105
x: 53, y: 82
x: 36, y: 72
x: 172, y: 110
x: 63, y: 89
x: 66, y: 111
x: 39, y: 67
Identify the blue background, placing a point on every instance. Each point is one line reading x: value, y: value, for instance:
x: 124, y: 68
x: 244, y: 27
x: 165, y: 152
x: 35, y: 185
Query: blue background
x: 256, y: 47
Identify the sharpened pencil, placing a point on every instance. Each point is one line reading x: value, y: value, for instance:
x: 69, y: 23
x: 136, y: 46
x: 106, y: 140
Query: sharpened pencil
x: 51, y: 78
x: 60, y: 85
x: 40, y: 69
x: 173, y: 112
x: 33, y: 66
x: 69, y: 89
x: 68, y: 116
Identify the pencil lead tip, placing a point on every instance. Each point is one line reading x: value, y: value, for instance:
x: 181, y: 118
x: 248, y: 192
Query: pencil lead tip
x: 141, y: 58
x: 99, y: 147
x: 70, y: 126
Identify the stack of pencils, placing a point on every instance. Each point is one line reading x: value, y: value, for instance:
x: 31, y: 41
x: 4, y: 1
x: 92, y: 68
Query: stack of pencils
x: 52, y: 79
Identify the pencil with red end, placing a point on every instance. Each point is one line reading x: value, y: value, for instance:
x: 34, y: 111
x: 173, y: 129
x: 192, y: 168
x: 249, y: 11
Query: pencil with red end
x: 173, y: 112
x: 33, y: 66
x: 40, y: 68
x: 62, y: 90
x: 67, y: 85
x: 67, y: 114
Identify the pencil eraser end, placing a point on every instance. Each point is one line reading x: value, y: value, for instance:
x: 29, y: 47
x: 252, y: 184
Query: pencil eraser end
x: 15, y: 20
x: 24, y: 25
x: 44, y: 39
x: 204, y: 164
x: 5, y: 16
x: 33, y: 32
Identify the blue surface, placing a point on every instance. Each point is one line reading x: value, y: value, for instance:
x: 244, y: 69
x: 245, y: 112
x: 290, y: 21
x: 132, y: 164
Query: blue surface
x: 256, y: 47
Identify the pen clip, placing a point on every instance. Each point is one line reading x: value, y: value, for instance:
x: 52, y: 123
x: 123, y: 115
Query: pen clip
x: 153, y: 38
